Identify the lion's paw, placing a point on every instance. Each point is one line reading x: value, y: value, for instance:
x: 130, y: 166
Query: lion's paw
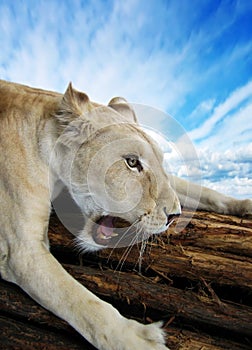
x: 136, y: 336
x: 246, y: 208
x: 238, y: 207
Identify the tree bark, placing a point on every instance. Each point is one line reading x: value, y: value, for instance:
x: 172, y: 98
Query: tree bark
x: 25, y: 336
x: 212, y: 247
x: 135, y: 296
x: 197, y: 279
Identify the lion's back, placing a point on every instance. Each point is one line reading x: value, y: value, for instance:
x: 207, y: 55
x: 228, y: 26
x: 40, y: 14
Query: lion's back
x: 20, y: 101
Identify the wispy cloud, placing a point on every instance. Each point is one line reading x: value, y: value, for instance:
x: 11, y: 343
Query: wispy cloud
x: 103, y: 49
x: 237, y: 107
x: 191, y: 60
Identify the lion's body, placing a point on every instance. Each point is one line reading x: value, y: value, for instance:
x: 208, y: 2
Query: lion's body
x: 42, y: 131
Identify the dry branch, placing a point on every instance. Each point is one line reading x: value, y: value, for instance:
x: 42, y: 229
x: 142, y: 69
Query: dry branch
x: 212, y: 255
x: 212, y: 247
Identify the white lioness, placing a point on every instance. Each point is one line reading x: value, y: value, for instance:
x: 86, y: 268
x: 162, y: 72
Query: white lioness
x: 73, y: 136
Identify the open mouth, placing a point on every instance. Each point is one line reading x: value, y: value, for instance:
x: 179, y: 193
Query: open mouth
x: 111, y: 229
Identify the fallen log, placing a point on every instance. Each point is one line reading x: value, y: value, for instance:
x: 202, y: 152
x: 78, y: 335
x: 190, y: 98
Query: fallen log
x: 196, y: 278
x: 216, y: 232
x: 138, y: 292
x: 213, y: 247
x: 24, y: 336
x: 29, y: 326
x: 189, y: 262
x: 191, y: 253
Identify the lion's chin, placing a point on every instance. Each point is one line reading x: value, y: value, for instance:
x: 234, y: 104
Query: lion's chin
x: 111, y: 231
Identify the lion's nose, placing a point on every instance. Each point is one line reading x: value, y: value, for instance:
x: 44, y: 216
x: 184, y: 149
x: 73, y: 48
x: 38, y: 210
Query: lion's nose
x: 170, y: 217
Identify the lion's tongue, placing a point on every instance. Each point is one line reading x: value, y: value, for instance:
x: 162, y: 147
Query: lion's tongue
x: 106, y: 226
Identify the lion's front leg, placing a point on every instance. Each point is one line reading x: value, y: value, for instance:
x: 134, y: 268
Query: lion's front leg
x: 36, y: 271
x: 199, y: 197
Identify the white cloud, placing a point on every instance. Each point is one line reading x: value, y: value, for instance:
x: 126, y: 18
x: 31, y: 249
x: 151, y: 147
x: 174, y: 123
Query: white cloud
x: 203, y: 108
x: 232, y: 132
x: 223, y: 110
x: 130, y: 48
x: 228, y: 172
x: 158, y: 54
x: 105, y: 55
x: 235, y: 187
x: 224, y: 144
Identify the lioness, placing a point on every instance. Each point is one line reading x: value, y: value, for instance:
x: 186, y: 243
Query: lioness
x: 82, y: 142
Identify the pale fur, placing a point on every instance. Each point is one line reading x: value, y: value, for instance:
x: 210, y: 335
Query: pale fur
x: 40, y: 131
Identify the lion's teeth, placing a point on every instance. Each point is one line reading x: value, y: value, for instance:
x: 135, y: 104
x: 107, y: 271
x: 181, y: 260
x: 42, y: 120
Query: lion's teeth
x: 102, y: 236
x: 106, y: 237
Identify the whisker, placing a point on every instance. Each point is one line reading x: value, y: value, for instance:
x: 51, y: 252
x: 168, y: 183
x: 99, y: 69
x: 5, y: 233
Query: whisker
x: 126, y: 254
x: 141, y: 238
x: 150, y: 243
x: 122, y: 237
x: 143, y: 241
x: 129, y: 247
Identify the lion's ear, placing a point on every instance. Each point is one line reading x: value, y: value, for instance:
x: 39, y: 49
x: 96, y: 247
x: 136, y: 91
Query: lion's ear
x: 74, y: 117
x: 124, y: 108
x: 74, y: 104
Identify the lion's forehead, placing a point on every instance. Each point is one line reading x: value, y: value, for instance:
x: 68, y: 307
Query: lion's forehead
x: 148, y: 148
x: 136, y: 137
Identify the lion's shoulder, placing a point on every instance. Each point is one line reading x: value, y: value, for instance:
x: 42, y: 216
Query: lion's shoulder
x: 21, y: 100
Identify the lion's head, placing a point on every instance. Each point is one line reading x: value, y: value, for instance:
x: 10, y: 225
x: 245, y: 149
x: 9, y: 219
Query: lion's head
x: 113, y: 171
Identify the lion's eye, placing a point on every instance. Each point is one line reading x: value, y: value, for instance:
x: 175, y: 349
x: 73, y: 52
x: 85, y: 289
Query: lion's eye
x: 134, y: 162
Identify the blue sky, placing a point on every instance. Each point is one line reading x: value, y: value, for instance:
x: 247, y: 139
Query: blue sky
x: 191, y: 59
